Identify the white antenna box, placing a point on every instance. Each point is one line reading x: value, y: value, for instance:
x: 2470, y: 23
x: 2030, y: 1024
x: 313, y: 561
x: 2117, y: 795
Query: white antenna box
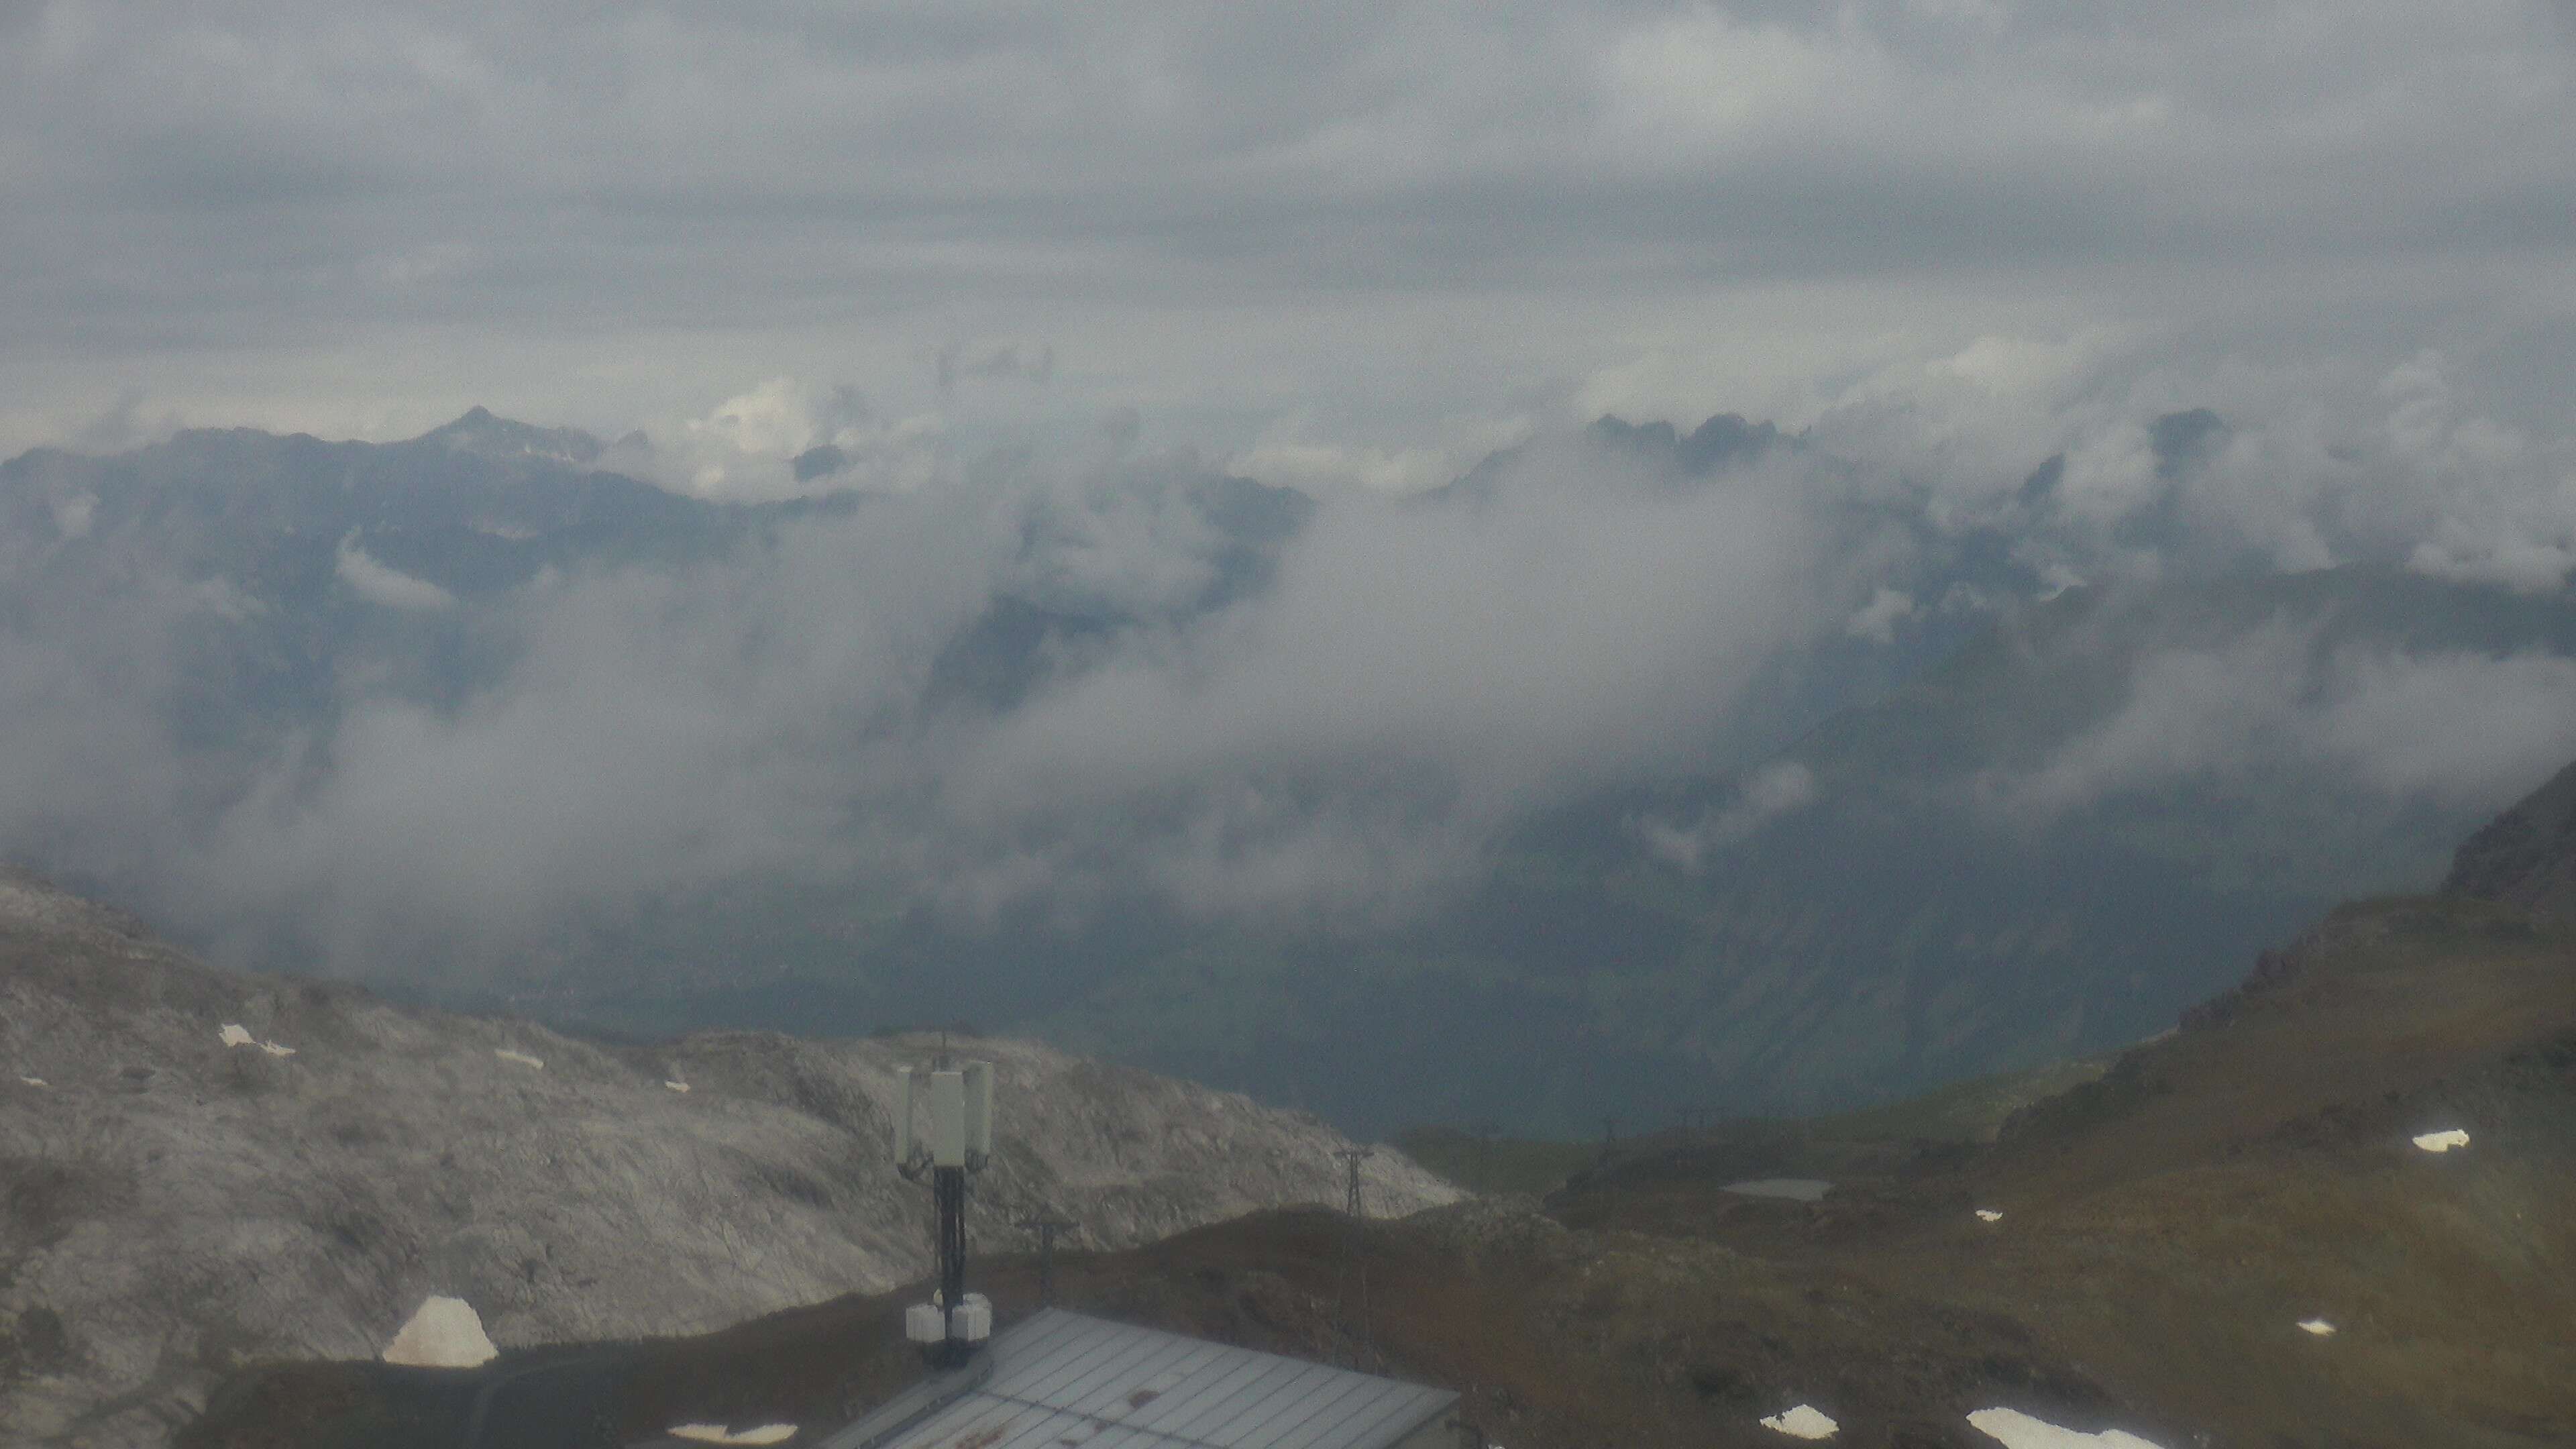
x: 959, y: 1102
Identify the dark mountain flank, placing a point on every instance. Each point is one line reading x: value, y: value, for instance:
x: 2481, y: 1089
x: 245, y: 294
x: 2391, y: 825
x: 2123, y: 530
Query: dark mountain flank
x: 2526, y: 858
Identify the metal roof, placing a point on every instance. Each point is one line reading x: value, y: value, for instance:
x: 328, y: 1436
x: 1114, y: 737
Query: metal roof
x: 1065, y: 1381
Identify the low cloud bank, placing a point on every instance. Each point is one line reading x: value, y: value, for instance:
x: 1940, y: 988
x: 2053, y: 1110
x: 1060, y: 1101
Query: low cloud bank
x: 1334, y: 738
x: 1772, y: 791
x: 1336, y: 747
x: 2457, y: 731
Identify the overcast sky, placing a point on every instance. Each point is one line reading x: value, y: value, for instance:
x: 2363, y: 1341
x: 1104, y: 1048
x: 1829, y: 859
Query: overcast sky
x: 1326, y: 241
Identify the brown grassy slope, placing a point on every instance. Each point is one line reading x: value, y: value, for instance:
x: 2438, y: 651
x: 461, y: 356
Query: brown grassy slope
x: 1869, y: 1141
x: 2256, y: 1169
x: 2169, y: 1225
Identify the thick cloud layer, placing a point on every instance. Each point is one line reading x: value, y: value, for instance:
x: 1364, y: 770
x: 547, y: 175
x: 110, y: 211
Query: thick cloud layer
x: 1339, y: 747
x: 2454, y: 730
x: 1373, y: 235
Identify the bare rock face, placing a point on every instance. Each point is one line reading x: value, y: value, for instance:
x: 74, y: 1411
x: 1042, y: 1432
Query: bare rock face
x: 177, y: 1198
x: 2527, y: 856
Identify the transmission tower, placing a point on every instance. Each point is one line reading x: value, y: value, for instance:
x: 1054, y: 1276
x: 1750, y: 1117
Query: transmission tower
x: 1351, y: 1158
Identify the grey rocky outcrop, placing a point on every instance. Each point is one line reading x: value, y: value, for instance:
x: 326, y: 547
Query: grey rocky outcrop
x: 172, y: 1205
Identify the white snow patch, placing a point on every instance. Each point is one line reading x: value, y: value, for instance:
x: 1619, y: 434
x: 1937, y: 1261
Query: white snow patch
x: 676, y: 1086
x: 2443, y: 1141
x: 33, y: 1081
x: 235, y: 1035
x: 1989, y: 1215
x: 717, y: 1434
x: 2318, y: 1326
x: 1802, y: 1422
x: 2017, y: 1430
x: 443, y: 1333
x: 522, y: 1058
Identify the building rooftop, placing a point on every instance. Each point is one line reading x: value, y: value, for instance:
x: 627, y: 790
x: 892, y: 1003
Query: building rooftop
x: 1065, y: 1381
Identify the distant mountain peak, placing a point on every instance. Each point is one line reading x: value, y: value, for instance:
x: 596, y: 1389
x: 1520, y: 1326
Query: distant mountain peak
x: 1725, y: 438
x: 485, y: 434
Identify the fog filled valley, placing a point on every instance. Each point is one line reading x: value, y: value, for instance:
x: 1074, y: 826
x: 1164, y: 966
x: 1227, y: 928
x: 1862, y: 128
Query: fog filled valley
x: 1633, y: 772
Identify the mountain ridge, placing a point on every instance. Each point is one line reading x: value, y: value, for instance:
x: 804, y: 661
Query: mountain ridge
x: 479, y: 431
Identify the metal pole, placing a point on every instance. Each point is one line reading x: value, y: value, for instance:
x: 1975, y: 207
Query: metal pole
x: 948, y: 1191
x: 1046, y: 1228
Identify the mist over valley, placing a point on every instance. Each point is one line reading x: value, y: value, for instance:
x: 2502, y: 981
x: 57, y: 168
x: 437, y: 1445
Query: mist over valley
x: 1633, y: 772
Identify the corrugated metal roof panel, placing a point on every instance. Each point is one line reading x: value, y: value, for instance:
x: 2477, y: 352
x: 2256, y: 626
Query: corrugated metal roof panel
x: 1066, y: 1381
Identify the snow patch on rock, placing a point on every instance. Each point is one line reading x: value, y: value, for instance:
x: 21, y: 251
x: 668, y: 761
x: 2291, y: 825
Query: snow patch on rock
x: 1803, y: 1422
x: 2016, y: 1430
x: 717, y: 1434
x: 676, y: 1086
x: 2443, y: 1141
x: 1989, y: 1215
x: 33, y: 1081
x: 522, y: 1058
x: 443, y: 1333
x: 2318, y: 1326
x: 234, y: 1034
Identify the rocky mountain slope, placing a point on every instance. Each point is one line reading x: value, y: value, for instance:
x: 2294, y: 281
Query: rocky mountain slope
x: 200, y: 1168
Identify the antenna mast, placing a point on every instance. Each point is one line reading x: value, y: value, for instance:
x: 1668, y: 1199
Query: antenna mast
x: 960, y: 1141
